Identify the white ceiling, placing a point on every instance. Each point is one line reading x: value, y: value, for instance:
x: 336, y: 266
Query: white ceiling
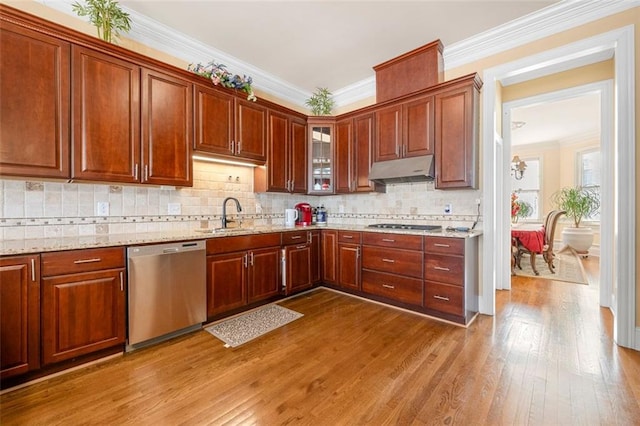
x: 331, y: 44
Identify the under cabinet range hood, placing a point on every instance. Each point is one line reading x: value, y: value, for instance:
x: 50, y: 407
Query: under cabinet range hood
x: 412, y: 169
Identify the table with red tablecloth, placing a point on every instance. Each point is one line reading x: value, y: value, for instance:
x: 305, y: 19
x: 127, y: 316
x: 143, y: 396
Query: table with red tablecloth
x: 531, y: 238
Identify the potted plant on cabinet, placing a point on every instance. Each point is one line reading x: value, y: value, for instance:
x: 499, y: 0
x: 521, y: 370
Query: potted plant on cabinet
x: 106, y: 15
x: 578, y: 203
x: 321, y: 102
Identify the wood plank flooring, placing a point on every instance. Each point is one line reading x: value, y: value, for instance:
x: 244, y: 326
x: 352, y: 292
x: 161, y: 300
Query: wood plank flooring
x: 546, y: 358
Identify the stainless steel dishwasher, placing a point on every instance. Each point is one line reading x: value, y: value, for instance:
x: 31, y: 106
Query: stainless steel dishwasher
x: 167, y: 291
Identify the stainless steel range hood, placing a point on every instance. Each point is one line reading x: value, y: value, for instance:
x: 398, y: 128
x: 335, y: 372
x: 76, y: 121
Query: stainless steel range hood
x: 413, y: 169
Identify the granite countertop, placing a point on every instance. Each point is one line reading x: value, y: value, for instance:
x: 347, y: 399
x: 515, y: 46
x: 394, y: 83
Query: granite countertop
x: 38, y: 245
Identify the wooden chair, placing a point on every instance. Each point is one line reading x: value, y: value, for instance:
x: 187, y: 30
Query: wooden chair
x: 547, y: 251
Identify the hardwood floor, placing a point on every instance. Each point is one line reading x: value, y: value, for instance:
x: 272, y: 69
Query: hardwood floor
x: 546, y: 358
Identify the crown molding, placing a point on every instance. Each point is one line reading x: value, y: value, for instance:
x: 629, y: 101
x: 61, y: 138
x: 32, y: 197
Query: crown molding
x: 553, y: 19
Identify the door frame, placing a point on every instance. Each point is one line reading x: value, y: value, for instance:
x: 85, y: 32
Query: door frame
x: 620, y: 43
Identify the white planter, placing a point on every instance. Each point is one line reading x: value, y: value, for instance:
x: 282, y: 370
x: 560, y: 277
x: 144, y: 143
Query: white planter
x: 579, y: 239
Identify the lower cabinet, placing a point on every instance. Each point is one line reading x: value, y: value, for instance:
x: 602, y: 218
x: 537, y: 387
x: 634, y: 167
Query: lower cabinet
x: 349, y: 259
x: 83, y: 302
x: 329, y: 240
x: 19, y: 315
x: 316, y: 257
x: 298, y: 254
x: 241, y: 270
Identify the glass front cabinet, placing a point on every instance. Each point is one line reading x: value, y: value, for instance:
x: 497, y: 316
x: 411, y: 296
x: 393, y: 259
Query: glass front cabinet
x: 321, y: 168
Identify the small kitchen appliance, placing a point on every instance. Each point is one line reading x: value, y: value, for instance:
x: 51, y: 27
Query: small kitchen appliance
x: 290, y: 217
x: 305, y: 213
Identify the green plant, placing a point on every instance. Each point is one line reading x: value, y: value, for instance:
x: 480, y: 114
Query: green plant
x: 321, y: 102
x: 577, y: 202
x: 106, y: 16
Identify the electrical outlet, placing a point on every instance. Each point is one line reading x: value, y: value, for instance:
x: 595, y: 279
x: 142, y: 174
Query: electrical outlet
x: 258, y: 208
x: 174, y: 208
x: 102, y: 208
x: 477, y: 201
x: 448, y: 208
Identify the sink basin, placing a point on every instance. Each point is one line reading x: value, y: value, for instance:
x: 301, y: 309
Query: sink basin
x: 220, y: 230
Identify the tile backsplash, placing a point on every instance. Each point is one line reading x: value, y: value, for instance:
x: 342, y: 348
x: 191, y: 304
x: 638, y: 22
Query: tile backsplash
x: 35, y: 209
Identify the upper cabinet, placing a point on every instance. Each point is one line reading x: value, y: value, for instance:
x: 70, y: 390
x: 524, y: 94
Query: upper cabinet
x: 353, y: 154
x: 456, y: 133
x: 321, y: 155
x: 228, y: 126
x: 34, y: 103
x: 286, y: 168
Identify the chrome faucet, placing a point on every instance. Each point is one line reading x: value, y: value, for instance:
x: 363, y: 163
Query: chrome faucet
x: 225, y: 221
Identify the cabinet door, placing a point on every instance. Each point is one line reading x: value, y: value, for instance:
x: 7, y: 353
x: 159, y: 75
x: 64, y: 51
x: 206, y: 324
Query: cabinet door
x: 226, y: 282
x: 343, y: 156
x: 19, y: 315
x: 82, y: 313
x: 34, y: 103
x: 388, y: 133
x: 349, y: 266
x: 419, y: 133
x: 251, y: 130
x: 456, y: 148
x: 329, y: 257
x: 316, y: 258
x: 298, y: 267
x: 298, y: 157
x: 213, y: 121
x: 167, y: 129
x: 363, y: 142
x: 105, y: 117
x: 278, y: 162
x: 264, y: 274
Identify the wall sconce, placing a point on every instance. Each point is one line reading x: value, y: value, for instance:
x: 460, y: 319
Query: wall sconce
x: 517, y: 167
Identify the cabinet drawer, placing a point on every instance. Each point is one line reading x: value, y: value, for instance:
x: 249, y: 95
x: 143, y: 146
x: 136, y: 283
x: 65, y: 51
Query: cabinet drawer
x: 349, y: 237
x: 242, y: 243
x: 404, y: 262
x: 295, y: 237
x: 448, y: 269
x: 444, y: 245
x: 409, y: 242
x: 402, y: 289
x: 74, y: 261
x: 444, y: 298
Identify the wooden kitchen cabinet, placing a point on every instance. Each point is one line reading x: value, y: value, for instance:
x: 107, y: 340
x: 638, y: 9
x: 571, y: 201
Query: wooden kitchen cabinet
x: 298, y: 255
x: 451, y: 277
x: 286, y: 163
x: 167, y: 129
x: 456, y: 133
x: 19, y: 315
x: 83, y: 302
x: 353, y: 154
x: 316, y: 257
x: 229, y: 126
x: 321, y: 155
x: 388, y: 139
x: 329, y: 240
x: 34, y: 103
x: 105, y: 117
x: 349, y: 264
x: 241, y: 270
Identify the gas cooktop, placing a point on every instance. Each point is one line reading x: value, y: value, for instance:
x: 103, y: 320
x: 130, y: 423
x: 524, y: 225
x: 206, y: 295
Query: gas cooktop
x: 404, y: 226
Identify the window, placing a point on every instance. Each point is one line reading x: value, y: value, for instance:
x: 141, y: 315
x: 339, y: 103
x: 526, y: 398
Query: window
x: 528, y: 188
x: 589, y: 172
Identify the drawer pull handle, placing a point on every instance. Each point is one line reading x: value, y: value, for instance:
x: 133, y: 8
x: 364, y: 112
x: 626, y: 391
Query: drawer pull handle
x: 388, y: 240
x: 94, y: 260
x: 388, y: 286
x: 435, y: 296
x: 441, y: 245
x: 349, y: 237
x: 33, y: 270
x: 440, y: 268
x: 301, y: 247
x: 121, y: 281
x: 388, y: 260
x: 296, y: 237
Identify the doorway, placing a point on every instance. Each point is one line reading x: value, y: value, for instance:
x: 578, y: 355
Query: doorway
x: 618, y: 44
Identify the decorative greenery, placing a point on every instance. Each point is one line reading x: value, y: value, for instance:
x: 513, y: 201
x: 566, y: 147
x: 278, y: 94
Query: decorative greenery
x: 106, y: 16
x: 519, y: 208
x: 578, y: 202
x: 321, y: 102
x: 219, y: 75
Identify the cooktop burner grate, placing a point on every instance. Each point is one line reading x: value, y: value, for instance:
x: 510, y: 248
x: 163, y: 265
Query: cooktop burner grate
x: 405, y: 226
